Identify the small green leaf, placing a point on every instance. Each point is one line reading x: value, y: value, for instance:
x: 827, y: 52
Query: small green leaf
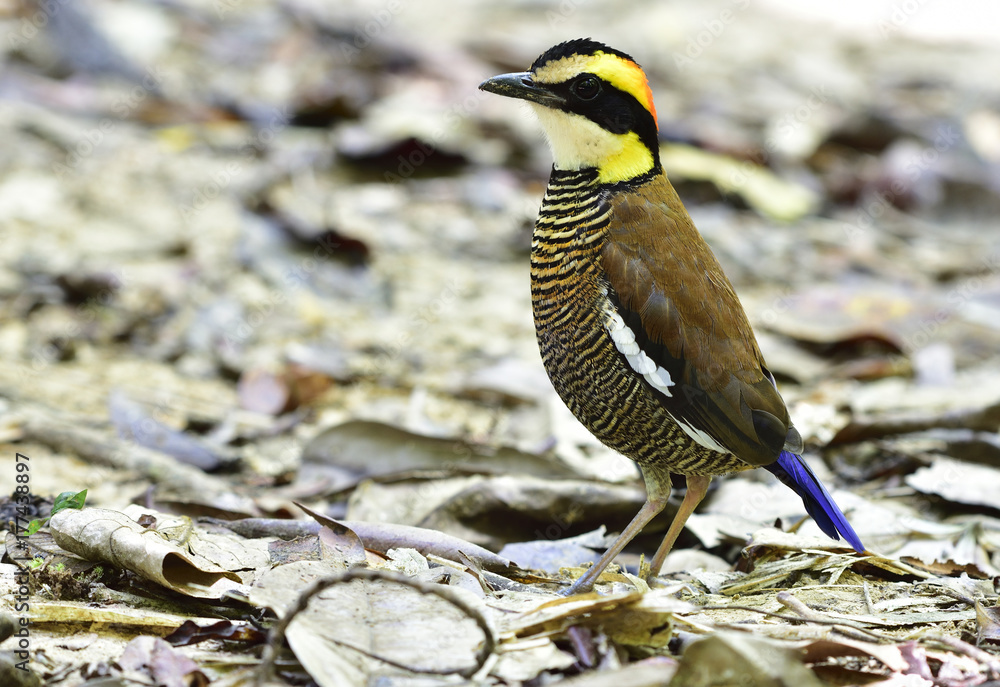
x: 67, y: 499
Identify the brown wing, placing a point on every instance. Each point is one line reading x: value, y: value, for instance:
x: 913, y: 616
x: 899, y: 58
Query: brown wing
x: 671, y: 291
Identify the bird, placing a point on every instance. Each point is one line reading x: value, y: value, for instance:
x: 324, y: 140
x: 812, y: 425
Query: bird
x: 640, y: 331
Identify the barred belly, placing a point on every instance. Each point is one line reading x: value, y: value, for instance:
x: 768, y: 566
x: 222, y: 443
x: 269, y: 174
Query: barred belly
x: 571, y: 304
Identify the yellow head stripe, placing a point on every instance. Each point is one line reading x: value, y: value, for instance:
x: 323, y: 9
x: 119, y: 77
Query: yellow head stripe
x: 623, y: 74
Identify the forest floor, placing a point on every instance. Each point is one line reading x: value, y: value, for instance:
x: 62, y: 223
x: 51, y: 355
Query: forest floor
x: 259, y: 259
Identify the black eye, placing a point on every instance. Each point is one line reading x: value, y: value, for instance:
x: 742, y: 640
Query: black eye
x: 587, y: 88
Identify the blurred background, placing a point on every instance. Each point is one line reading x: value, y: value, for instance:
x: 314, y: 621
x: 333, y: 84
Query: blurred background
x: 227, y: 226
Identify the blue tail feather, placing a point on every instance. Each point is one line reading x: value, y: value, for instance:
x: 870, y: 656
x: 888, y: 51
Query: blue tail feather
x: 796, y: 474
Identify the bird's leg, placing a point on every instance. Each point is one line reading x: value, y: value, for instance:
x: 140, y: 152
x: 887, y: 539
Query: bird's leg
x: 697, y: 487
x: 657, y: 494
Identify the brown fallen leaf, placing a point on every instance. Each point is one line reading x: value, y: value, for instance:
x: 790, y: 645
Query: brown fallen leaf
x: 493, y: 511
x: 732, y: 658
x: 823, y: 649
x: 948, y: 568
x: 960, y: 482
x: 163, y: 664
x: 987, y: 624
x: 190, y: 633
x: 362, y: 448
x: 274, y: 393
x: 113, y: 537
x: 863, y: 428
x: 363, y: 624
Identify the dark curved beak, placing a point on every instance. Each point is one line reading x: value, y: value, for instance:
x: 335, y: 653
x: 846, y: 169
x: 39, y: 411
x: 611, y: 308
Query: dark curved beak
x: 521, y: 85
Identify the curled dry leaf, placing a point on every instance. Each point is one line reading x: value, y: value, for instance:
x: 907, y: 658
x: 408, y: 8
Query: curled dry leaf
x: 113, y: 537
x: 629, y: 618
x: 493, y: 511
x: 767, y: 193
x: 191, y: 632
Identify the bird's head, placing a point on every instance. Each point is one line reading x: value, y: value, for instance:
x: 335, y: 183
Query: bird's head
x: 595, y: 105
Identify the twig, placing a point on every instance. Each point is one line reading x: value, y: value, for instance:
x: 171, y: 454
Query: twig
x: 807, y: 616
x: 991, y: 662
x: 789, y: 601
x: 377, y: 536
x: 947, y: 591
x: 868, y: 597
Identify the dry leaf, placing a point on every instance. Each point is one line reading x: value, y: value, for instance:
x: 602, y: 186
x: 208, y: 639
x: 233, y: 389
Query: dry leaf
x: 977, y: 485
x: 111, y: 536
x: 732, y: 658
x: 164, y: 665
x: 347, y: 625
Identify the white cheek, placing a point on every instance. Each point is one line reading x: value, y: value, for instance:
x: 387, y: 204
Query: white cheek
x: 576, y: 142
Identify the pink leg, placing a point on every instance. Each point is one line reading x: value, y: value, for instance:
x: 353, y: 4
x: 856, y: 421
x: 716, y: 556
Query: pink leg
x: 697, y: 487
x: 657, y: 493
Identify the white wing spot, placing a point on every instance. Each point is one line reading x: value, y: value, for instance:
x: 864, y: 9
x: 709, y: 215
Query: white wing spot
x: 657, y: 376
x: 624, y: 340
x: 703, y: 438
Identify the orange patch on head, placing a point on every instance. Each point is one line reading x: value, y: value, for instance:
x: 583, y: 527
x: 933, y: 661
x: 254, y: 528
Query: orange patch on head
x: 648, y: 102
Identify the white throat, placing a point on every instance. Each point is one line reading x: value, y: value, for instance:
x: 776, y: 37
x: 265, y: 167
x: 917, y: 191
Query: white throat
x: 575, y: 141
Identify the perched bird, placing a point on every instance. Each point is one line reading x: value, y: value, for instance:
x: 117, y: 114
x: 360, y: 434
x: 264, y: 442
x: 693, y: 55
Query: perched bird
x: 641, y: 333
